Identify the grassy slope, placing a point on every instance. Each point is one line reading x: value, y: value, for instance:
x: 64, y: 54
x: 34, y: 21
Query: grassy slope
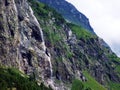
x: 114, y: 86
x: 92, y: 83
x: 81, y: 32
x: 77, y: 85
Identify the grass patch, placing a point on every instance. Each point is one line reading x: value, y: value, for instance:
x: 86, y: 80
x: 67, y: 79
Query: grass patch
x: 81, y: 32
x: 92, y: 83
x: 77, y: 85
x: 117, y: 69
x: 114, y: 86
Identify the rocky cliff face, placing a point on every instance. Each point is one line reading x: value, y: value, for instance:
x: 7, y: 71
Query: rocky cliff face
x: 69, y: 12
x: 50, y: 50
x: 21, y: 40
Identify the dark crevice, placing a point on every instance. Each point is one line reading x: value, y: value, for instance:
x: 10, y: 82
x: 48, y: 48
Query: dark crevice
x: 11, y: 30
x: 6, y: 3
x: 35, y: 32
x: 28, y: 56
x: 36, y: 35
x: 20, y: 18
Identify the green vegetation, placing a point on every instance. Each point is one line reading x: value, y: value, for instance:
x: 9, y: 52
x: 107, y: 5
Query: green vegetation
x: 40, y: 9
x: 81, y: 32
x: 15, y: 80
x: 43, y: 11
x: 114, y: 86
x: 77, y: 85
x: 92, y: 83
x: 115, y: 62
x: 51, y: 36
x: 117, y: 69
x: 113, y: 57
x: 44, y: 14
x: 54, y: 37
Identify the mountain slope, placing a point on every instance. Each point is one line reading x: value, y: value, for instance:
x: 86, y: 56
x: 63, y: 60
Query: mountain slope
x: 50, y: 50
x: 73, y: 50
x: 69, y: 12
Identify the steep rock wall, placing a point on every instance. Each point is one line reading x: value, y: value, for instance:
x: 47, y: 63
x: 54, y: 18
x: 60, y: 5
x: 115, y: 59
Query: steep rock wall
x: 21, y: 40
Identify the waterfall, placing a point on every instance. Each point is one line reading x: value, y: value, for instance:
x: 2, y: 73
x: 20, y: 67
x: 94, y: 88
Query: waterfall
x: 43, y: 43
x: 51, y: 71
x: 44, y: 53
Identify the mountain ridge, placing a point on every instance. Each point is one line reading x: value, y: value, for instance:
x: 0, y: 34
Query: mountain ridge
x: 69, y: 12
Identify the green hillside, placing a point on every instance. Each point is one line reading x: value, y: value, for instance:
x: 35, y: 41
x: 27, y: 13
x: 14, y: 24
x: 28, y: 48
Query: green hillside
x: 92, y: 83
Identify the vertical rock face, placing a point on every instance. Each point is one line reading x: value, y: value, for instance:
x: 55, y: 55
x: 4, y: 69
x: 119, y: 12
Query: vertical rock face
x: 21, y: 40
x: 8, y: 32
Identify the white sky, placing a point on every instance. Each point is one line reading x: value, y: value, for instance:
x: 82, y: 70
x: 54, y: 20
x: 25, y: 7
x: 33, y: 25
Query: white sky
x: 104, y: 16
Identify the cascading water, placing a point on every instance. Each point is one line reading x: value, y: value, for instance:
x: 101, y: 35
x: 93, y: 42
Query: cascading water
x: 44, y: 53
x: 51, y: 71
x: 43, y: 45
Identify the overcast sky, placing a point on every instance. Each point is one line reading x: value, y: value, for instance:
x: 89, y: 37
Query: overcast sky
x: 104, y: 16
